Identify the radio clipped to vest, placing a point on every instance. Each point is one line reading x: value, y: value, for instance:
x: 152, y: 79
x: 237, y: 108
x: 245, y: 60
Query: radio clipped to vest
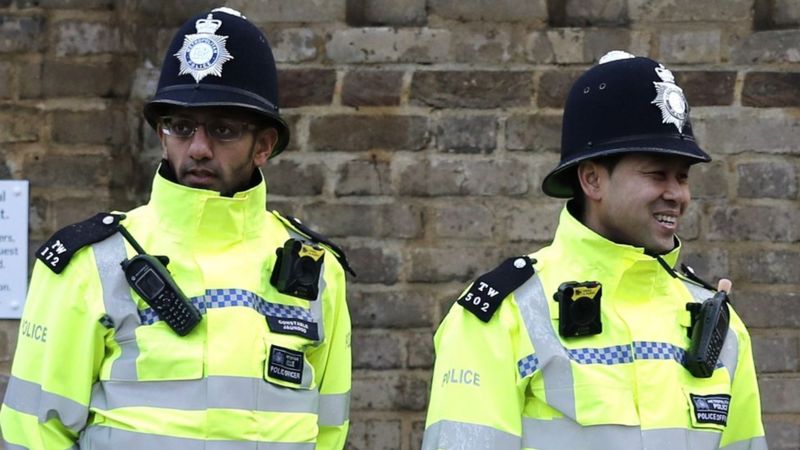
x: 149, y: 277
x: 710, y: 321
x: 297, y: 269
x: 579, y: 308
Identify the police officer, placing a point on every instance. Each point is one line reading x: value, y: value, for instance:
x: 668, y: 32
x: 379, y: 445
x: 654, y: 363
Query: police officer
x: 198, y: 320
x: 595, y: 342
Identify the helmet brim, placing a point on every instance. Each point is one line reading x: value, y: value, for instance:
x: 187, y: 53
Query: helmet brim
x: 559, y: 183
x: 211, y: 95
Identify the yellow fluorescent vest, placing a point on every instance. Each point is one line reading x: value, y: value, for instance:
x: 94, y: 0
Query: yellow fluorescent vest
x: 106, y: 373
x: 515, y: 383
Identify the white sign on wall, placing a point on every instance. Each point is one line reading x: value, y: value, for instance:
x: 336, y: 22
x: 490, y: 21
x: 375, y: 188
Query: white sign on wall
x: 13, y: 247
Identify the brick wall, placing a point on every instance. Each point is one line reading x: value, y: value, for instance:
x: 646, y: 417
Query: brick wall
x: 421, y: 133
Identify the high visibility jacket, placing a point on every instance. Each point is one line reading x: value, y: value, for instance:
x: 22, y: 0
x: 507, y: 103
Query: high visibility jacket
x: 515, y: 383
x: 102, y: 372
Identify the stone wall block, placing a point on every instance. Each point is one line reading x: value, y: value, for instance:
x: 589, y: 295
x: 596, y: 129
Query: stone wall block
x: 293, y: 45
x: 305, y: 87
x: 18, y: 124
x: 376, y: 265
x: 474, y: 89
x: 363, y: 177
x: 780, y: 395
x: 374, y: 434
x: 89, y: 127
x: 401, y: 309
x: 431, y: 265
x: 363, y: 132
x: 537, y: 132
x: 767, y: 179
x: 85, y: 79
x: 287, y: 177
x: 76, y: 38
x: 21, y: 33
x: 690, y: 11
x: 470, y: 134
x: 786, y: 13
x: 314, y: 11
x: 776, y: 353
x: 534, y: 11
x: 768, y: 266
x: 389, y: 392
x: 749, y: 130
x: 781, y: 435
x: 372, y: 88
x: 420, y: 350
x: 771, y: 89
x: 377, y: 350
x: 554, y: 86
x: 532, y: 222
x: 765, y: 309
x: 401, y: 13
x: 389, y: 45
x: 767, y: 47
x: 342, y: 219
x: 68, y: 171
x: 755, y: 223
x: 690, y: 47
x: 465, y: 220
x: 462, y: 177
x: 580, y: 13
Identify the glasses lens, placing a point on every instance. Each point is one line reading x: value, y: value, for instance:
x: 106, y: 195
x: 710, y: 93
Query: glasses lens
x: 179, y: 127
x: 225, y: 130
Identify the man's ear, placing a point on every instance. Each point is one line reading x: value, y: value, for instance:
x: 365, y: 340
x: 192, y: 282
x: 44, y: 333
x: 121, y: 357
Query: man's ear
x: 265, y: 143
x: 590, y: 177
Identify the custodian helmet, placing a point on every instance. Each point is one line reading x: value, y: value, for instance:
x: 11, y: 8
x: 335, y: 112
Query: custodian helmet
x: 219, y: 58
x: 624, y: 104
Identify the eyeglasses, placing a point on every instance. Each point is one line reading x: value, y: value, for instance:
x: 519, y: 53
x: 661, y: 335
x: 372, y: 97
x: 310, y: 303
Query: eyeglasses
x: 223, y: 130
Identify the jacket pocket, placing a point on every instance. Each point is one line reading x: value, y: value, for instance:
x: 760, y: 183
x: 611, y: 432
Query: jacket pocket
x: 156, y: 353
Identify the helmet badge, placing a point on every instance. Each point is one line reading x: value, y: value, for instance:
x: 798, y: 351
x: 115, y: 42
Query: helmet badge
x: 203, y: 53
x: 670, y: 99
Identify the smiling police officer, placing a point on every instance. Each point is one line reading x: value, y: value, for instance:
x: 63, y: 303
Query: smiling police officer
x: 595, y: 342
x: 199, y: 320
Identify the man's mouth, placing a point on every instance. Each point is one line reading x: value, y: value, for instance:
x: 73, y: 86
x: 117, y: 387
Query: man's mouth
x: 668, y: 220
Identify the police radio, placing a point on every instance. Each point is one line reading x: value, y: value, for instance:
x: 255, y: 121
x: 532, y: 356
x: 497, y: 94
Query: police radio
x: 297, y: 269
x: 149, y: 277
x: 710, y: 321
x: 579, y: 308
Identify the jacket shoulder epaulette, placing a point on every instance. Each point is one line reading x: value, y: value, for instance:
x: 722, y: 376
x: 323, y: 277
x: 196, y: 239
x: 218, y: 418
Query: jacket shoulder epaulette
x: 487, y: 292
x: 57, y: 251
x: 298, y: 226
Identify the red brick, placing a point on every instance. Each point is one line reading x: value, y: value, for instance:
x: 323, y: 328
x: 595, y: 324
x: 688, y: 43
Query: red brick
x: 305, y: 87
x: 771, y: 89
x: 478, y: 89
x: 372, y: 88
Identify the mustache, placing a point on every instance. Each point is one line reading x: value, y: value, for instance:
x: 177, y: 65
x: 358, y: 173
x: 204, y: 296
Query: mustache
x: 199, y: 169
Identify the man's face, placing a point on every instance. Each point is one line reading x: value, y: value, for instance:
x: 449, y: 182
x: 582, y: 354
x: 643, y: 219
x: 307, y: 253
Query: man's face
x: 220, y: 154
x: 641, y: 201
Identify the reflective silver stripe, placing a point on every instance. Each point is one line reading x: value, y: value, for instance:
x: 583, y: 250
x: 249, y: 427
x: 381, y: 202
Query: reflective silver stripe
x: 106, y: 438
x: 251, y: 394
x: 756, y: 443
x: 334, y: 409
x: 552, y: 358
x: 560, y: 434
x: 729, y: 357
x: 450, y: 435
x: 118, y: 303
x: 30, y: 398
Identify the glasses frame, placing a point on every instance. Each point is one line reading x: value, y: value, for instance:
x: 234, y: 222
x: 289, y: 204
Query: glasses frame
x: 164, y: 125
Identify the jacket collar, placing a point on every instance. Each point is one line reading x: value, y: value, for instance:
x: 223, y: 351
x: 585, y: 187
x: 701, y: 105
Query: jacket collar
x: 187, y: 212
x: 582, y: 252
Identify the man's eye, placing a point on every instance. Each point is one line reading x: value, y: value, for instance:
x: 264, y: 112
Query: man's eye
x: 224, y: 130
x: 182, y: 127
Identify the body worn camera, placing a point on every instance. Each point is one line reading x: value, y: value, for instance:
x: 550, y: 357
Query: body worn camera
x: 297, y: 269
x: 579, y: 308
x: 710, y: 321
x: 150, y: 279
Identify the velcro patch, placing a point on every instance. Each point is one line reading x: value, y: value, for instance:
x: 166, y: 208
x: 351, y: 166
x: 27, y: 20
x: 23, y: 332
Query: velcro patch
x: 488, y: 291
x: 297, y: 327
x: 59, y: 249
x: 285, y: 364
x: 711, y: 409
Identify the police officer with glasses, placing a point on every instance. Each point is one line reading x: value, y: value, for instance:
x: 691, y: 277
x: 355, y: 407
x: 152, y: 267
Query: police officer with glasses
x: 199, y: 320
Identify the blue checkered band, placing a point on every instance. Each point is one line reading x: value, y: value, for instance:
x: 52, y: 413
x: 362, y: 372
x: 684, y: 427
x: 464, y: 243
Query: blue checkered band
x: 617, y: 354
x: 527, y: 365
x: 658, y: 350
x: 226, y: 298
